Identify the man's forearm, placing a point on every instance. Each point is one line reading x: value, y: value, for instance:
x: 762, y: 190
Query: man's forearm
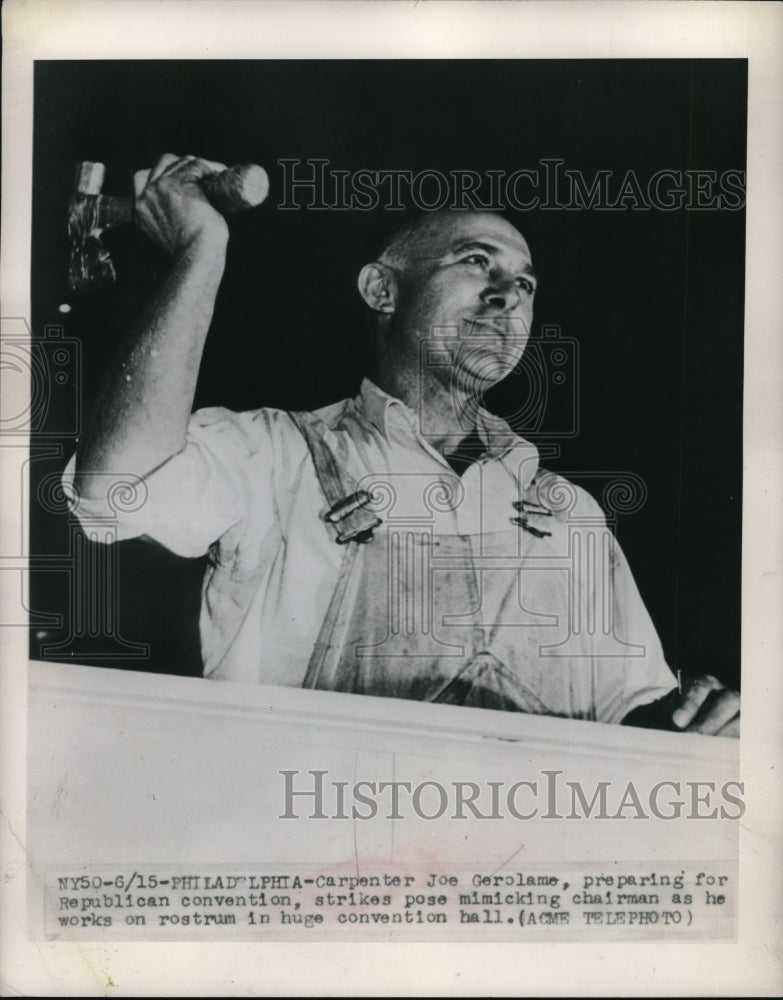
x: 141, y: 416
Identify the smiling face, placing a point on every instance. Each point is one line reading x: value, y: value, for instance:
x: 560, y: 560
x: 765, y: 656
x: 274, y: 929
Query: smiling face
x: 464, y: 284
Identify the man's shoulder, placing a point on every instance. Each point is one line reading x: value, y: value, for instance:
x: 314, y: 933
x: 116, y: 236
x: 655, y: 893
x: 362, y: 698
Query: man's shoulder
x: 219, y: 427
x: 280, y: 434
x: 563, y: 497
x: 333, y: 413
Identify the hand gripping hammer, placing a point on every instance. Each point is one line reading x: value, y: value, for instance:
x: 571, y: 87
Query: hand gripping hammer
x: 90, y: 213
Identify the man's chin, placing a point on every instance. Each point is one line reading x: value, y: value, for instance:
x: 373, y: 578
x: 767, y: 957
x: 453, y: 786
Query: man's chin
x: 483, y: 369
x: 476, y: 380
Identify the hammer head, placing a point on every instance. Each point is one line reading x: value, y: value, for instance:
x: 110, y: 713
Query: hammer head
x: 89, y: 213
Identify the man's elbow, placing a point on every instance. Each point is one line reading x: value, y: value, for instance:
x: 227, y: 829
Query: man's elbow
x: 98, y: 497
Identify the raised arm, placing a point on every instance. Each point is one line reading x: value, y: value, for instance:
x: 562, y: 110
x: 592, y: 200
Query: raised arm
x: 141, y: 417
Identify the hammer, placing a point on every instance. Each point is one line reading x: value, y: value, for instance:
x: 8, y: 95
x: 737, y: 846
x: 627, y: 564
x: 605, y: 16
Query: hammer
x: 90, y: 212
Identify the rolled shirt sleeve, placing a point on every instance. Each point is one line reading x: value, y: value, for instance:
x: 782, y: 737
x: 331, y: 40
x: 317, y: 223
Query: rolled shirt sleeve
x: 198, y: 495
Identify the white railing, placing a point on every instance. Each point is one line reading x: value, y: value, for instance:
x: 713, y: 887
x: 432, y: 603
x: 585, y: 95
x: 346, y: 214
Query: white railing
x: 138, y: 776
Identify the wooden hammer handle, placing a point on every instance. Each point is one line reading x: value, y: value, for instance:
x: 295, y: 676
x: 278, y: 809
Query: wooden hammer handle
x: 243, y: 186
x: 90, y: 212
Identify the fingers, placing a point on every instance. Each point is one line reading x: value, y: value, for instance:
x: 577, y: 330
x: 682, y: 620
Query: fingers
x: 709, y: 708
x: 173, y: 209
x: 192, y: 165
x: 731, y: 729
x: 140, y: 181
x: 692, y: 698
x: 164, y: 163
x: 142, y: 178
x: 719, y: 709
x: 207, y: 166
x: 189, y: 167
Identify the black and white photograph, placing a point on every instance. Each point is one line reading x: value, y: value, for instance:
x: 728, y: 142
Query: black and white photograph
x: 384, y: 477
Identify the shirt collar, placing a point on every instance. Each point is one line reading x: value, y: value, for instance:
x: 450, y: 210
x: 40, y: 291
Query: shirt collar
x: 381, y: 409
x: 374, y: 403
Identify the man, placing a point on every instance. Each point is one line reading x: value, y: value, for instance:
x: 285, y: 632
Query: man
x: 404, y: 543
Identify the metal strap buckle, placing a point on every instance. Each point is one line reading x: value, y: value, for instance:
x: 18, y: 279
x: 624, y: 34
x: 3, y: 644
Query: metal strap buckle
x: 523, y: 523
x: 355, y: 523
x: 527, y: 508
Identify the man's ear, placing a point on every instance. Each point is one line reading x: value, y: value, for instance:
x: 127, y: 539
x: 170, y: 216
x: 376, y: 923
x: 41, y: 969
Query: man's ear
x: 378, y: 287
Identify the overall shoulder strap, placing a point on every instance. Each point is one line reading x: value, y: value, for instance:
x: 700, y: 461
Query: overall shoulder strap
x: 346, y: 513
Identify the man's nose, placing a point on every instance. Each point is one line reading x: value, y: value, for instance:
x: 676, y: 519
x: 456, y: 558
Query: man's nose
x: 502, y: 293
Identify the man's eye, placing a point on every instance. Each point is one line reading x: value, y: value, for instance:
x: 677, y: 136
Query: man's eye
x: 526, y: 284
x: 477, y: 258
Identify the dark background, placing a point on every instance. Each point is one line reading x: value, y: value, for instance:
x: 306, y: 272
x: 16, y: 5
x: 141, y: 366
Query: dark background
x: 653, y: 299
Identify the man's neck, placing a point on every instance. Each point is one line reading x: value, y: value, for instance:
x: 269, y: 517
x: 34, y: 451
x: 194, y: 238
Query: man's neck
x: 446, y: 416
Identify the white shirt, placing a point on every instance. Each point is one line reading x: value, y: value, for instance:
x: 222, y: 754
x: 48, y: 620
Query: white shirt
x: 245, y: 490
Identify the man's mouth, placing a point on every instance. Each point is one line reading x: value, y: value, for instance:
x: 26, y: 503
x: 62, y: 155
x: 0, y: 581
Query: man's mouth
x: 507, y: 327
